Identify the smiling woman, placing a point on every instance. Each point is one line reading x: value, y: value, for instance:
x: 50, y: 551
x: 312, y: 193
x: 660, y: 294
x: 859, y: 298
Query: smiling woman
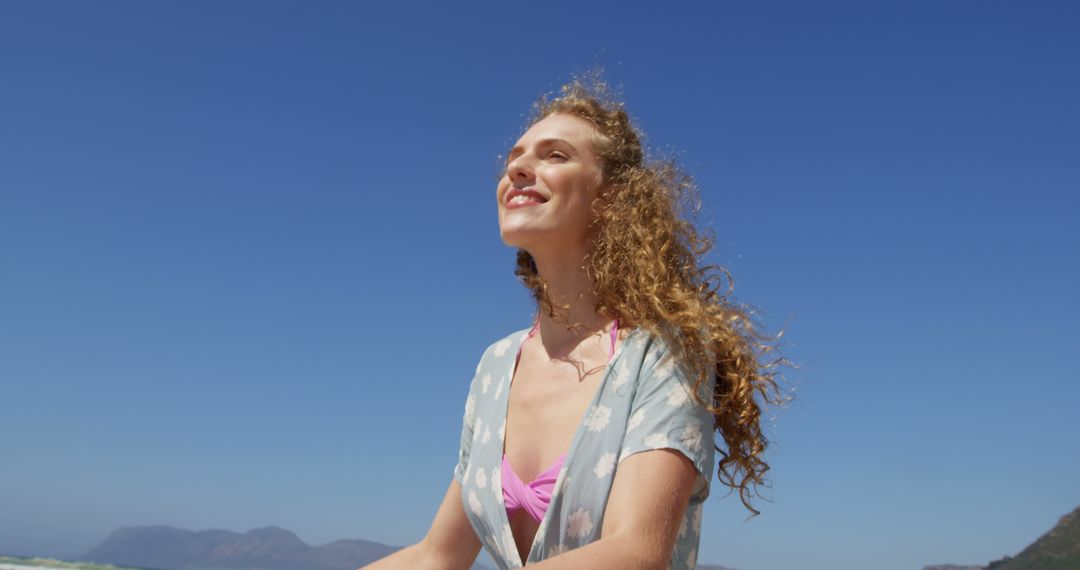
x: 548, y: 188
x: 587, y: 437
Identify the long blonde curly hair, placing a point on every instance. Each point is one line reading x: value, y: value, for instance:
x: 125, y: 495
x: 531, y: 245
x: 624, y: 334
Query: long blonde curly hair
x: 643, y: 263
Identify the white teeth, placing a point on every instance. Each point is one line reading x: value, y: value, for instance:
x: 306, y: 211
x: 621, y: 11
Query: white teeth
x: 521, y: 198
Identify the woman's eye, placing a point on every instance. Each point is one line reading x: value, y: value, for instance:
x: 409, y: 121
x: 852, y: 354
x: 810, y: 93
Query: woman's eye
x: 558, y: 155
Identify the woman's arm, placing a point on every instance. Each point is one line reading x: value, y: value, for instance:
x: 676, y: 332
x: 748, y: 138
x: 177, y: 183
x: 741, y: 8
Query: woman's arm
x: 407, y: 557
x: 450, y: 544
x: 648, y: 497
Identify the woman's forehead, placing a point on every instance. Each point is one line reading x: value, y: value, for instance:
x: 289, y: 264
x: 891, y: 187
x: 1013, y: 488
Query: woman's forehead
x: 574, y: 130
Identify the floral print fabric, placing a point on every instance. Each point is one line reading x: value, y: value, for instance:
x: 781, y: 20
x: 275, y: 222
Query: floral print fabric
x: 643, y: 402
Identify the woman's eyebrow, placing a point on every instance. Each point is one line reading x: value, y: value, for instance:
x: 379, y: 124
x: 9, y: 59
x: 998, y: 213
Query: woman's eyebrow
x: 519, y: 149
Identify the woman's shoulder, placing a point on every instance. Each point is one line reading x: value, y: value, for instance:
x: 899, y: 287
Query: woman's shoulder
x: 657, y: 353
x: 500, y: 347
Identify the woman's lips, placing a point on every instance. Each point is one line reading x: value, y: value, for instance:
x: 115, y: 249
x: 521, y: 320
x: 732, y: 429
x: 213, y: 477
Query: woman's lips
x: 531, y: 195
x: 523, y: 204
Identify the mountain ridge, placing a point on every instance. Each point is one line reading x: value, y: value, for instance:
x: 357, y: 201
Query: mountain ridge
x: 1057, y: 549
x: 163, y: 547
x: 267, y: 547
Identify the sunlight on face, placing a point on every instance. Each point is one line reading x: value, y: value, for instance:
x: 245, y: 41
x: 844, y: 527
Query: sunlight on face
x: 556, y: 167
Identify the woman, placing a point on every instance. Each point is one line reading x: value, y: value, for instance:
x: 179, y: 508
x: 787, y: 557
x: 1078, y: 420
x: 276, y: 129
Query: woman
x: 586, y: 437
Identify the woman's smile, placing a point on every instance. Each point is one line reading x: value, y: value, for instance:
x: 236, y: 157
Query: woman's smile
x: 521, y: 202
x: 523, y: 197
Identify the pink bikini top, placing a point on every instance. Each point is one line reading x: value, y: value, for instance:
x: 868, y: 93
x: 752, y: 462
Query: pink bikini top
x: 534, y: 497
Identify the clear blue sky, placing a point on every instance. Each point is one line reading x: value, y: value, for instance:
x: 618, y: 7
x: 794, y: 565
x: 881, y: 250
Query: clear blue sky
x: 250, y: 257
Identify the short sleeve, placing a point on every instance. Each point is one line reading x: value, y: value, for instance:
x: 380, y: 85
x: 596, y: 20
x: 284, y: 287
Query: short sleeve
x: 664, y: 415
x: 468, y: 423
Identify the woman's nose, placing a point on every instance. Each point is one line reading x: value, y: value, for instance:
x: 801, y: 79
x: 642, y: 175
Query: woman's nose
x: 519, y: 169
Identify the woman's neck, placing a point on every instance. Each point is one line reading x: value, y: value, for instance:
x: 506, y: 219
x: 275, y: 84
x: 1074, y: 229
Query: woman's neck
x: 568, y: 284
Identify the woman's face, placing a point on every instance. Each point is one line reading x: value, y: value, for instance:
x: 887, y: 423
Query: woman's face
x: 555, y: 167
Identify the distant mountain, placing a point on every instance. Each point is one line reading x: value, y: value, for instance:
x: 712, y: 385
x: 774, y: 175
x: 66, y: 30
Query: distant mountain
x: 1058, y: 549
x: 266, y: 548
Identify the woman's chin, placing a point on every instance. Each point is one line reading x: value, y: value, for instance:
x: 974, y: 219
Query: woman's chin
x: 520, y: 237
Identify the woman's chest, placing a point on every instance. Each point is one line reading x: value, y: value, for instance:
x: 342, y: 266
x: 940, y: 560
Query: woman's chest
x: 547, y: 402
x: 545, y: 406
x: 524, y: 413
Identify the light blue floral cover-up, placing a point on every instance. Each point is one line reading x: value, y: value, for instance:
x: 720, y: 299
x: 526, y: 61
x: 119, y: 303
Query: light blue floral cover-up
x: 643, y: 402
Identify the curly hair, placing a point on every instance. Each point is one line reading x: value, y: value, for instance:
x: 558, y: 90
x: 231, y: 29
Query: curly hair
x: 643, y: 264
